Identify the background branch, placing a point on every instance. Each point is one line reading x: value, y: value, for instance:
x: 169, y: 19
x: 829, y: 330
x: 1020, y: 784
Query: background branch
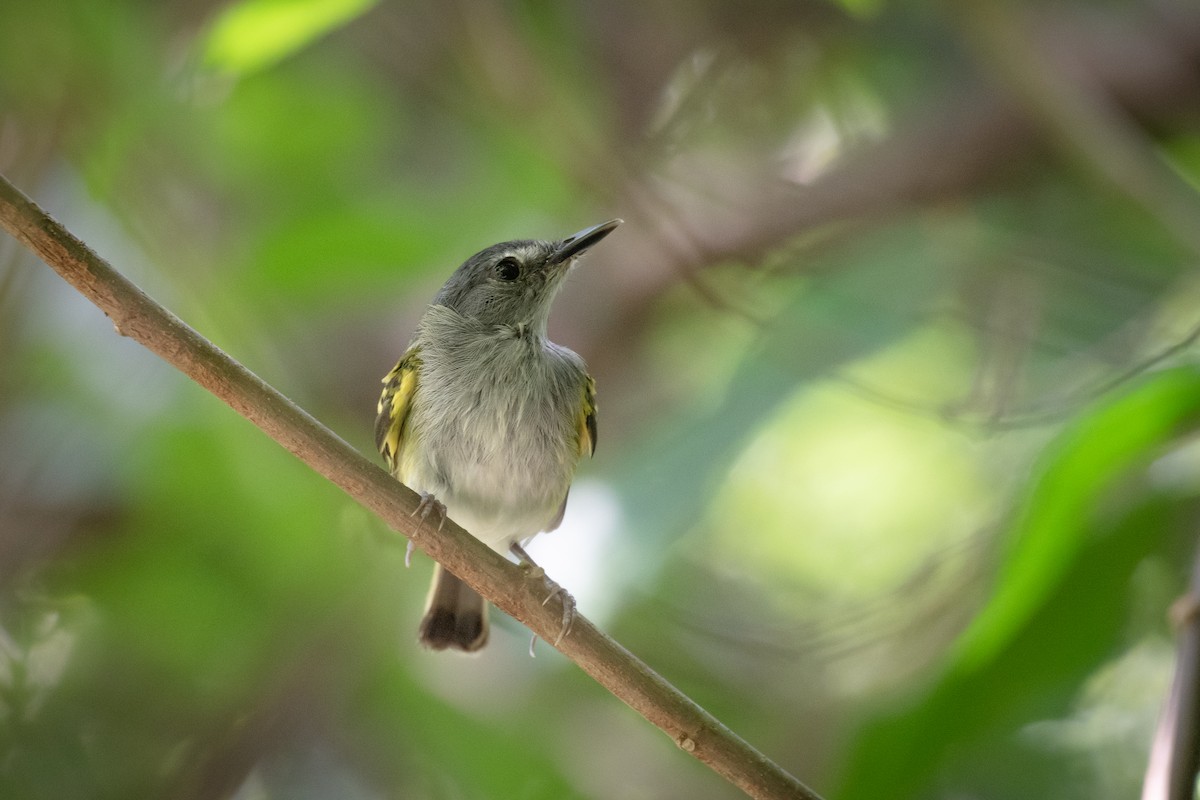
x: 1175, y: 754
x: 137, y: 316
x: 959, y: 145
x: 1077, y: 114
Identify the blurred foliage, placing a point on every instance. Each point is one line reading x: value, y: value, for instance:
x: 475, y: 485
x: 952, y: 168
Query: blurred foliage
x: 250, y: 36
x: 897, y: 473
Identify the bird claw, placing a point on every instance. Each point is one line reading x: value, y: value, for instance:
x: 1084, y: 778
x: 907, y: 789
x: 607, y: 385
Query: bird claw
x: 568, y: 608
x: 534, y: 572
x: 430, y: 505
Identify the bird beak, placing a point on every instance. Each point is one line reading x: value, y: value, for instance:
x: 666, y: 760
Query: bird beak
x: 573, y: 246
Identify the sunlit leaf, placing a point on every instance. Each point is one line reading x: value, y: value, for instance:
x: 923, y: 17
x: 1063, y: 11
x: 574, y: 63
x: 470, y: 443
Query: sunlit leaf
x: 254, y: 34
x: 1052, y: 526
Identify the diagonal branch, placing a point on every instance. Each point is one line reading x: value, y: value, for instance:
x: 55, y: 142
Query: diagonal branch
x: 140, y: 318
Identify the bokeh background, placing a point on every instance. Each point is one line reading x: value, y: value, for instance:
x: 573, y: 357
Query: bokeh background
x: 896, y: 474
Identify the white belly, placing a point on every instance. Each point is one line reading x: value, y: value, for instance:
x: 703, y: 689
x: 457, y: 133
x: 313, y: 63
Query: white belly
x: 497, y: 444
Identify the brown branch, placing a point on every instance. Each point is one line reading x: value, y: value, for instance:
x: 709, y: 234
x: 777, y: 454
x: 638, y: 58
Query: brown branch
x: 142, y: 319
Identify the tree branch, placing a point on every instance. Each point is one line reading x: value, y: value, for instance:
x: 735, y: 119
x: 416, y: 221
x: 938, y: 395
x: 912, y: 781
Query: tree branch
x: 137, y: 316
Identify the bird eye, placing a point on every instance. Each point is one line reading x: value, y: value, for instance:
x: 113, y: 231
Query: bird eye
x: 508, y: 269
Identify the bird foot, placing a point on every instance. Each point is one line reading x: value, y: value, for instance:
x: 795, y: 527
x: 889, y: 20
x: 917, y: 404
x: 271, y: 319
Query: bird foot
x: 430, y: 505
x: 568, y: 608
x: 536, y: 573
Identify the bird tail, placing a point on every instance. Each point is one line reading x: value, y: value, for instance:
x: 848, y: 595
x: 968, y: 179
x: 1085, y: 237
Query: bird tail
x: 455, y: 615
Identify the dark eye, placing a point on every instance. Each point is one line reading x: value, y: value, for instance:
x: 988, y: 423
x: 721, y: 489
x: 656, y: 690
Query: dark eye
x: 508, y: 269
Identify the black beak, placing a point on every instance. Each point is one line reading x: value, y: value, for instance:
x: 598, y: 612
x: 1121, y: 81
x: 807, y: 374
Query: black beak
x: 575, y: 245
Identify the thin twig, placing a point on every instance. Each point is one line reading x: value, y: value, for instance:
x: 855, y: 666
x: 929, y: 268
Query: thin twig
x: 142, y: 319
x: 1175, y: 755
x: 1047, y: 412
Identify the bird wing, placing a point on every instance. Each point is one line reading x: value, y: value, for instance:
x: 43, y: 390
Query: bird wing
x: 587, y: 440
x: 587, y: 418
x: 399, y: 388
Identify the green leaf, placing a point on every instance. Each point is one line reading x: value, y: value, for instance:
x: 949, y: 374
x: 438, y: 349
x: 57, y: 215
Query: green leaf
x: 255, y: 34
x: 1061, y: 593
x: 1051, y: 527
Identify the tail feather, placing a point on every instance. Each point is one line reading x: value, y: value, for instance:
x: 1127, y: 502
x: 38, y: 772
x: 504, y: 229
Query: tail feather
x: 455, y: 615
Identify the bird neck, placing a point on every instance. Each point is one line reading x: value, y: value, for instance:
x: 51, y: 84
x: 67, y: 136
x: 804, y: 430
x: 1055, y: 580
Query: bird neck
x: 446, y: 327
x: 533, y: 330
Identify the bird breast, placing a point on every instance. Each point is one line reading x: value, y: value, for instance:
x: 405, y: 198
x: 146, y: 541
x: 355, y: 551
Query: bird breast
x: 497, y: 419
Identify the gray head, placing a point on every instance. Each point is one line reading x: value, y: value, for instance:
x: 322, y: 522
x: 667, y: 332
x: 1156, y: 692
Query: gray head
x: 515, y: 282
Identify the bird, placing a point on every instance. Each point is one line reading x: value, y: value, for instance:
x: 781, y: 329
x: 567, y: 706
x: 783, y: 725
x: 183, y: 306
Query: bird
x: 487, y: 419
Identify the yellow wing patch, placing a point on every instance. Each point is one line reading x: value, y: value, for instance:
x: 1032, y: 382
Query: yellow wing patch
x: 399, y: 388
x: 587, y: 419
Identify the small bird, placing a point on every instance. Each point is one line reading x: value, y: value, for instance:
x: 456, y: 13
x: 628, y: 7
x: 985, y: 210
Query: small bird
x: 486, y: 418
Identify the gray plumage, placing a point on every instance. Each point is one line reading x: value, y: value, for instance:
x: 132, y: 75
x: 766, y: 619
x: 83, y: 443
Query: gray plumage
x: 487, y: 415
x: 496, y: 418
